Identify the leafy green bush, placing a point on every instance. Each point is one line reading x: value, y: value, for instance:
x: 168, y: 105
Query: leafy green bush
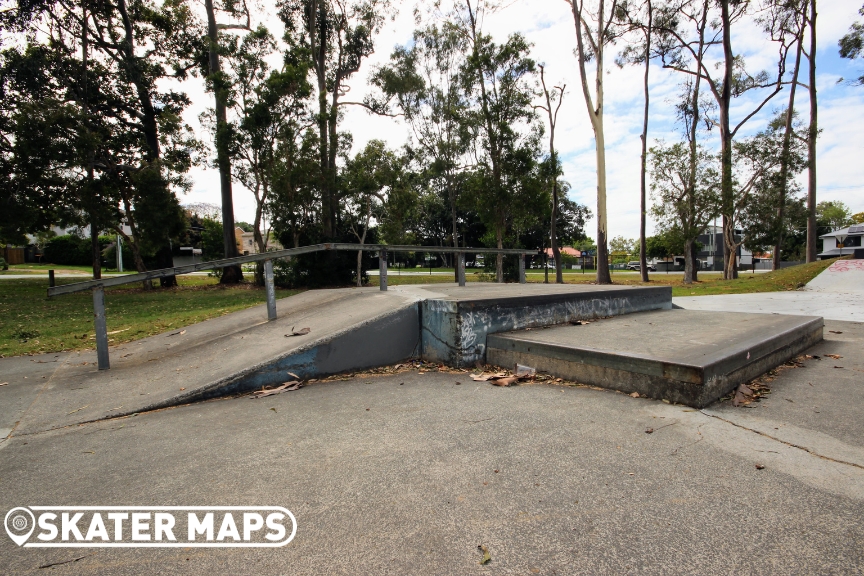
x: 68, y: 250
x: 71, y: 250
x: 3, y: 264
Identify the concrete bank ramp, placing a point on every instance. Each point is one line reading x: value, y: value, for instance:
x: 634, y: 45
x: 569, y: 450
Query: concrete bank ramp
x: 350, y: 329
x: 842, y: 277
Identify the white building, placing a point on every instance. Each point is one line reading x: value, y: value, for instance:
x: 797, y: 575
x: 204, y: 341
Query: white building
x: 840, y: 242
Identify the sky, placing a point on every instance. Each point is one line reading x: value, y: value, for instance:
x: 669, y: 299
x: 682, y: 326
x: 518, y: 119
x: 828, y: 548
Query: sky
x: 548, y: 24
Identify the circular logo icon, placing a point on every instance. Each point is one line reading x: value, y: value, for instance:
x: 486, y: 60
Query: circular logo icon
x: 20, y: 523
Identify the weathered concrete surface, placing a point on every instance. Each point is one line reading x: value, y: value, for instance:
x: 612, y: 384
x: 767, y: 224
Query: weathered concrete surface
x: 456, y: 321
x: 682, y: 356
x: 350, y: 329
x: 842, y: 277
x: 410, y: 486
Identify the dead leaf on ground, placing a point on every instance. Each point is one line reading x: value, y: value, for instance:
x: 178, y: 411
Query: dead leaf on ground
x: 834, y: 356
x: 508, y: 381
x: 760, y: 466
x: 294, y: 375
x: 301, y: 332
x: 285, y: 387
x: 3, y: 383
x: 486, y: 556
x: 577, y: 322
x: 743, y: 395
x: 634, y: 394
x: 835, y: 332
x: 483, y: 376
x: 649, y: 430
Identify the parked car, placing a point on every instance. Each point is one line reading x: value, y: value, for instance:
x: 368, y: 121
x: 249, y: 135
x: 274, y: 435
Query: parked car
x: 634, y: 265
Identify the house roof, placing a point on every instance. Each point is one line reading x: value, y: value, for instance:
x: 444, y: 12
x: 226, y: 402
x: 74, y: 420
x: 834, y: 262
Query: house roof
x: 838, y: 252
x: 854, y: 230
x: 566, y: 250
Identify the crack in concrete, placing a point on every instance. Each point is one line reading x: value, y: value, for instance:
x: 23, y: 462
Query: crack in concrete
x: 790, y: 444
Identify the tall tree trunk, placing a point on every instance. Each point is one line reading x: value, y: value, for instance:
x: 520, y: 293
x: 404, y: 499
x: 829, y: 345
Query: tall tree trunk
x: 451, y: 195
x: 231, y: 274
x: 553, y: 232
x: 727, y: 201
x: 689, y: 264
x: 813, y: 132
x: 643, y: 261
x: 596, y: 117
x: 499, y: 258
x: 603, y: 276
x: 690, y: 267
x: 784, y: 155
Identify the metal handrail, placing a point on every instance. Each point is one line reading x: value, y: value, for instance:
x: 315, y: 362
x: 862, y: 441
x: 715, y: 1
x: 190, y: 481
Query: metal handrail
x: 264, y: 256
x: 98, y: 286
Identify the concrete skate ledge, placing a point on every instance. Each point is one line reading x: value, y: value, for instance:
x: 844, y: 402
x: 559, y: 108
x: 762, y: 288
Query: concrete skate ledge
x: 606, y: 354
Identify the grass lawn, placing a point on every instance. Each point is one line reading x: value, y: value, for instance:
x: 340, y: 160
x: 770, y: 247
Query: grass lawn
x: 709, y: 282
x: 31, y: 323
x: 58, y: 269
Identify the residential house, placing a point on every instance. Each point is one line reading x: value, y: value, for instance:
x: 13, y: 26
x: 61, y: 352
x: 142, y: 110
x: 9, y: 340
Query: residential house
x: 840, y: 242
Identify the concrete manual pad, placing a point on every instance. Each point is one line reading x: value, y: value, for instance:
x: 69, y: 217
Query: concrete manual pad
x: 685, y: 356
x: 350, y: 329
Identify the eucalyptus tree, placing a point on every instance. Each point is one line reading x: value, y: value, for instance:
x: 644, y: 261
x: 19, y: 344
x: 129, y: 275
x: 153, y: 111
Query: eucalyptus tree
x: 812, y: 135
x: 218, y: 82
x: 852, y: 44
x: 294, y: 202
x: 685, y: 194
x: 551, y: 105
x: 692, y: 24
x: 765, y: 171
x: 423, y: 81
x: 270, y: 105
x: 366, y: 181
x: 338, y: 36
x: 790, y: 16
x: 130, y: 125
x: 499, y: 77
x: 598, y: 24
x: 642, y: 19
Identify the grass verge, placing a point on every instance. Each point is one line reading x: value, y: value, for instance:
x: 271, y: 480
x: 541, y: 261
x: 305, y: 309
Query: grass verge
x: 32, y: 323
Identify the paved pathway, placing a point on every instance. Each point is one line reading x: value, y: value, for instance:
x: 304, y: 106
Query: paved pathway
x: 836, y: 294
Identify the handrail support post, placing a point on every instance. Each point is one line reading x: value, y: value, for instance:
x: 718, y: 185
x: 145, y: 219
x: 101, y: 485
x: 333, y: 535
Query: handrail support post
x: 521, y: 268
x: 271, y: 290
x: 101, y: 328
x: 460, y: 268
x: 382, y: 269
